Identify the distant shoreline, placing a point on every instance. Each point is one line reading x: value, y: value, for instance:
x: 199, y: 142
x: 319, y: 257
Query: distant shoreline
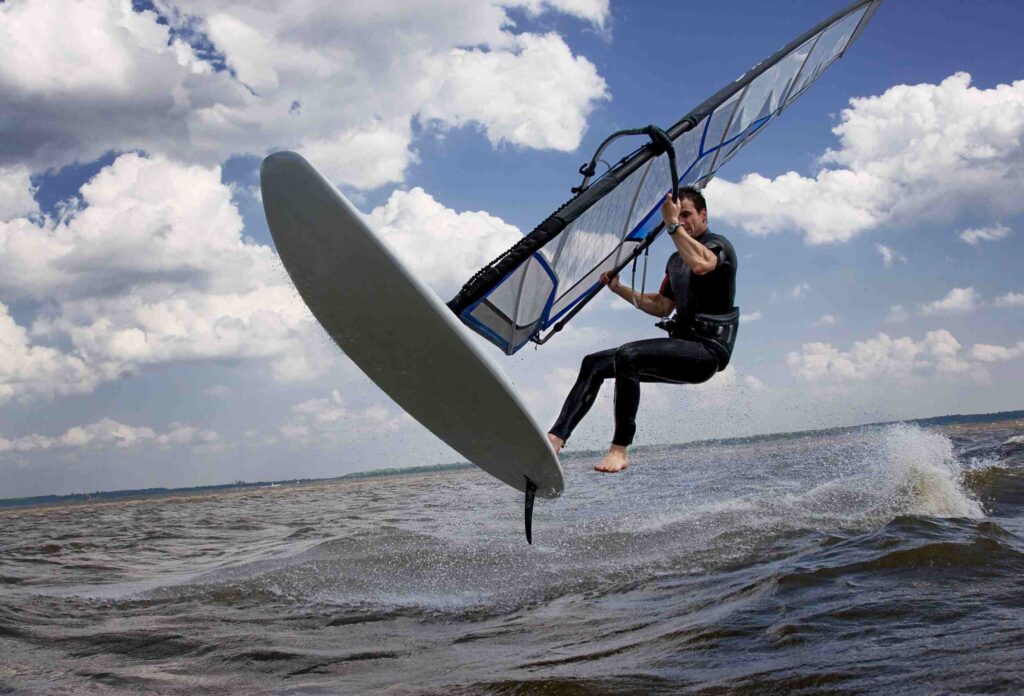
x: 138, y: 494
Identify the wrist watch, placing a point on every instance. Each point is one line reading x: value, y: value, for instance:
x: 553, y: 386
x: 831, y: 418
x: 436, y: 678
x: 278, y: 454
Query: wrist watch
x: 672, y: 228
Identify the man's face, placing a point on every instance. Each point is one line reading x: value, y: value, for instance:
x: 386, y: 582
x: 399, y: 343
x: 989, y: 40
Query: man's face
x: 695, y: 223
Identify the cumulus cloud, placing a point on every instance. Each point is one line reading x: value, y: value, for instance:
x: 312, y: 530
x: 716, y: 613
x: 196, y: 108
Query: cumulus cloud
x: 1010, y: 299
x: 826, y: 320
x: 33, y: 370
x: 904, y: 155
x: 150, y: 268
x: 538, y: 96
x: 84, y: 78
x: 751, y: 316
x: 108, y: 433
x: 342, y: 82
x: 958, y: 301
x: 444, y: 247
x: 364, y: 157
x: 881, y: 358
x: 988, y: 353
x: 890, y: 257
x: 317, y: 420
x: 985, y: 234
x: 16, y: 193
x: 595, y: 11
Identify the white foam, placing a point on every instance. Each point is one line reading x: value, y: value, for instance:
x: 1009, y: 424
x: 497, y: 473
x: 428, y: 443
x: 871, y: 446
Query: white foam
x: 919, y: 475
x: 861, y: 480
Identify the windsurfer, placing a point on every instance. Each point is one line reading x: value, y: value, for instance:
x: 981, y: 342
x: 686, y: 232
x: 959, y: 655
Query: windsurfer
x: 700, y: 287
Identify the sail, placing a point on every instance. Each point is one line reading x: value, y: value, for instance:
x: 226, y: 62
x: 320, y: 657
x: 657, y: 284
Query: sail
x: 549, y: 275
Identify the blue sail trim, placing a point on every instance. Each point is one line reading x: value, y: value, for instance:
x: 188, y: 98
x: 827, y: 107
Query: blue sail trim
x: 490, y: 334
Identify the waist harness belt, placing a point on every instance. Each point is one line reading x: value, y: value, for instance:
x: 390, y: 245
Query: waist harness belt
x: 716, y: 331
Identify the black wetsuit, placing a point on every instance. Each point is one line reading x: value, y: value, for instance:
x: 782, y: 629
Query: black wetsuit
x: 684, y: 358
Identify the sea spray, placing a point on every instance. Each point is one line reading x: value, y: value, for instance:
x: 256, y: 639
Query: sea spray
x: 918, y: 474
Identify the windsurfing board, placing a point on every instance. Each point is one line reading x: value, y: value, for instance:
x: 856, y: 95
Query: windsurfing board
x: 398, y: 332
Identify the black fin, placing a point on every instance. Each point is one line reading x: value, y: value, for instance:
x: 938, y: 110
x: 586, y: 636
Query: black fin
x: 531, y: 493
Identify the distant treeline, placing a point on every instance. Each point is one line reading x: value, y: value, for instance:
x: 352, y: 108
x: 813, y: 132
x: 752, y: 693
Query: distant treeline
x: 239, y: 485
x: 100, y: 496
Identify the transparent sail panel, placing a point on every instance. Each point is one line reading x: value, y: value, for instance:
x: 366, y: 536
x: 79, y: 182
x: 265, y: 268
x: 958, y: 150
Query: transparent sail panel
x: 829, y: 47
x: 593, y: 235
x: 688, y: 146
x: 730, y: 150
x: 588, y: 281
x: 536, y: 290
x: 765, y: 95
x: 720, y: 122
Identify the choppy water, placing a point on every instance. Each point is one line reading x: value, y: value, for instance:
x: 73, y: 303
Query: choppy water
x: 879, y: 560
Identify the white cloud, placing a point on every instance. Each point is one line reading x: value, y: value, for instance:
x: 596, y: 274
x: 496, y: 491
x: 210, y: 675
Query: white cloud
x: 108, y: 433
x: 985, y: 234
x: 958, y: 301
x: 835, y: 206
x: 443, y: 247
x: 881, y: 358
x: 890, y: 257
x: 826, y: 320
x: 34, y: 370
x: 799, y: 291
x: 330, y: 419
x: 728, y: 382
x: 538, y: 95
x: 342, y: 82
x: 16, y: 193
x: 752, y: 316
x: 594, y: 11
x: 987, y: 353
x: 915, y: 152
x: 897, y: 314
x: 364, y: 157
x: 151, y: 268
x: 83, y: 78
x: 1010, y: 299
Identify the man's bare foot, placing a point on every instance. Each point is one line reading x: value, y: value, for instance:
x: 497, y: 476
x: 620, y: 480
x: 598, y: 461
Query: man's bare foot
x: 556, y: 442
x: 615, y: 461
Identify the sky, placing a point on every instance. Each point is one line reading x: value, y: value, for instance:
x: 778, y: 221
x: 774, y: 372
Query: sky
x: 149, y: 335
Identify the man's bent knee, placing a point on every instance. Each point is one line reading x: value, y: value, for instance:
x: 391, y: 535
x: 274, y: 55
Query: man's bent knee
x: 626, y: 362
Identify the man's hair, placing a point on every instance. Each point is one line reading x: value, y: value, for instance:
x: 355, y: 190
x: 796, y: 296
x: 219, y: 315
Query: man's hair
x: 694, y: 196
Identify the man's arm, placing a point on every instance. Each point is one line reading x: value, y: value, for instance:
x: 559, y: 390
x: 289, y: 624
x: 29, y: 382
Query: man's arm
x: 652, y: 303
x: 698, y: 257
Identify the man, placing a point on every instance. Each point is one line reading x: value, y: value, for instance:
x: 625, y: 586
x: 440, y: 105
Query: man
x: 700, y: 286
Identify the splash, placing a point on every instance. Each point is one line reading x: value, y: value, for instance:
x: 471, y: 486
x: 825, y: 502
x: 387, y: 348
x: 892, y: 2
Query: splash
x: 918, y: 474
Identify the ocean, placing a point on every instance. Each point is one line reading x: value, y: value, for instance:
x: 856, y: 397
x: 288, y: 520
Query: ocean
x: 872, y: 560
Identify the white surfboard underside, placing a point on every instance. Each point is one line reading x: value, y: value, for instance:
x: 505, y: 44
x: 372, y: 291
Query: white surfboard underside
x: 398, y: 331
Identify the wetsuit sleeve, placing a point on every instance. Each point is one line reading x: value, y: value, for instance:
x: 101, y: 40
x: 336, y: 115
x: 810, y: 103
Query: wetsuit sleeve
x: 666, y: 289
x: 719, y: 251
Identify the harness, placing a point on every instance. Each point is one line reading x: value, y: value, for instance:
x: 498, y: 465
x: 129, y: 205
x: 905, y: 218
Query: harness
x: 716, y: 331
